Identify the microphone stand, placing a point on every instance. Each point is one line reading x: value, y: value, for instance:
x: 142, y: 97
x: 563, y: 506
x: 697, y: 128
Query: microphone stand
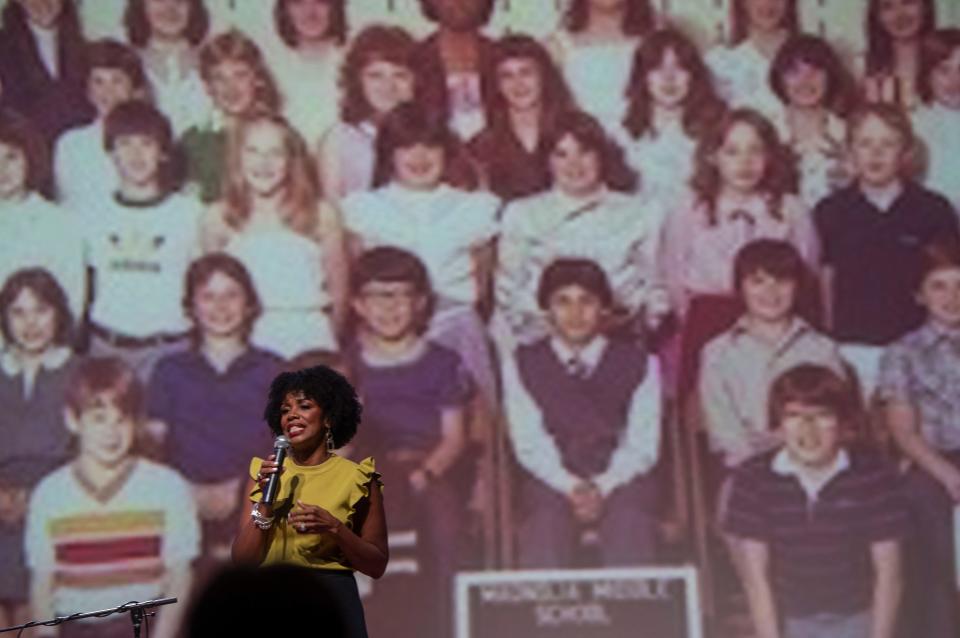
x: 136, y: 609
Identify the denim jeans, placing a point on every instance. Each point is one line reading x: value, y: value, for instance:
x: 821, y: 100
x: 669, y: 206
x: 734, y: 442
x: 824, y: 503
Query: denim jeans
x: 548, y: 532
x: 855, y: 625
x: 929, y: 606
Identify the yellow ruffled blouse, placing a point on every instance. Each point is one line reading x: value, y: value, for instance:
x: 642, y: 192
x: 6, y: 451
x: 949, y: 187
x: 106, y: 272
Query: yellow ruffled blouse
x: 337, y: 485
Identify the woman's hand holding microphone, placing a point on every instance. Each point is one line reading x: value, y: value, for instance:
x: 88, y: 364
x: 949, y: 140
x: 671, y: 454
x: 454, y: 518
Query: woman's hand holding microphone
x: 305, y: 519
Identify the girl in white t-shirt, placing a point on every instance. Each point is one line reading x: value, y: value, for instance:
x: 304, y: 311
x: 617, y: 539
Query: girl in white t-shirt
x: 418, y: 205
x: 314, y: 32
x: 167, y: 34
x: 594, y: 48
x: 937, y: 122
x: 671, y: 102
x: 816, y: 92
x: 271, y: 219
x: 35, y: 232
x: 377, y: 75
x: 741, y: 70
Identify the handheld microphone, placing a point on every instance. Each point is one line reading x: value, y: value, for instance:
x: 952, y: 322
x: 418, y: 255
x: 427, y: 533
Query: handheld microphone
x: 280, y: 446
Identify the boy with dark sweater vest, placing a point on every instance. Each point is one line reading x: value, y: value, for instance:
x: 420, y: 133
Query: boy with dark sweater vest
x: 584, y: 421
x: 872, y: 232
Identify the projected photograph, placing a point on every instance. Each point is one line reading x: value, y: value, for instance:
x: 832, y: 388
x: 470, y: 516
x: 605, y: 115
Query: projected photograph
x: 480, y: 318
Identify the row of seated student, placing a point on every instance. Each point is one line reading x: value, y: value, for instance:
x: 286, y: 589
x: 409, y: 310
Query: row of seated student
x: 544, y: 164
x: 583, y: 407
x: 862, y: 239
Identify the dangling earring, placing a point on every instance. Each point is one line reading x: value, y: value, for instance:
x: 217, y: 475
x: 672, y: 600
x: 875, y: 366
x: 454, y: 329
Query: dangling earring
x: 330, y: 445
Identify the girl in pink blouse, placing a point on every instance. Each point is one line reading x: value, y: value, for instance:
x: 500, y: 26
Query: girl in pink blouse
x: 744, y: 187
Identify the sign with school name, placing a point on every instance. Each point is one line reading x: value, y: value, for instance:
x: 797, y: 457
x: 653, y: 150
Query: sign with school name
x: 646, y: 602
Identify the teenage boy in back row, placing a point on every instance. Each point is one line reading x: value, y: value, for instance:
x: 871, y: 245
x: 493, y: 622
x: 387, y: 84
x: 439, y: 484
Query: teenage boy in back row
x: 873, y: 230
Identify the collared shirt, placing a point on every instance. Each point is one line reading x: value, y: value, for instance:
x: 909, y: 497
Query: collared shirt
x: 696, y: 255
x: 820, y: 546
x: 539, y: 453
x: 923, y: 369
x: 737, y: 372
x: 581, y: 362
x: 213, y: 417
x: 784, y: 465
x: 883, y: 197
x: 35, y: 439
x: 51, y: 359
x: 875, y: 258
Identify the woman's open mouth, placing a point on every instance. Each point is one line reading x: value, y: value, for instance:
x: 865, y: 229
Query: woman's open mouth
x: 295, y: 429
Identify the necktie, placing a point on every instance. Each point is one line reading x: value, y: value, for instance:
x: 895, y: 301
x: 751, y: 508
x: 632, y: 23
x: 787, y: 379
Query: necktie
x: 577, y: 368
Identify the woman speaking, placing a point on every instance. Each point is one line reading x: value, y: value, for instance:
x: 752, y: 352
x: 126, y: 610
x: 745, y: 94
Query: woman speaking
x: 328, y: 511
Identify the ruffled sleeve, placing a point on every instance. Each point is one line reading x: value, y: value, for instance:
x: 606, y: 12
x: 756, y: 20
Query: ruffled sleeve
x: 365, y: 473
x: 255, y: 464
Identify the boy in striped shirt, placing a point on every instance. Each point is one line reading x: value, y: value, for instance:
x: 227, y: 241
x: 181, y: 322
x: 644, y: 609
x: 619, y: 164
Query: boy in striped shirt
x: 820, y: 522
x: 109, y: 527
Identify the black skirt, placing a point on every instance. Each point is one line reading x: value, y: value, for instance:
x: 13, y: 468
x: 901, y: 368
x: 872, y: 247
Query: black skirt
x: 341, y: 586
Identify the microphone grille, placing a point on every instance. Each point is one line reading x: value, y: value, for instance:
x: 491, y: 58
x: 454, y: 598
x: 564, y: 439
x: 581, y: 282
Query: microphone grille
x: 281, y: 441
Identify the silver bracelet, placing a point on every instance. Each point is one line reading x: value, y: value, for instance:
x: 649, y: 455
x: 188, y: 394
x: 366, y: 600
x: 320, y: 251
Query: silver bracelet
x: 261, y: 521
